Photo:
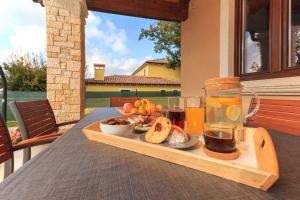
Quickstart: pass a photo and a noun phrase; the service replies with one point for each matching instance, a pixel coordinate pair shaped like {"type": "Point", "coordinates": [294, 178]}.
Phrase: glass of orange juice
{"type": "Point", "coordinates": [194, 114]}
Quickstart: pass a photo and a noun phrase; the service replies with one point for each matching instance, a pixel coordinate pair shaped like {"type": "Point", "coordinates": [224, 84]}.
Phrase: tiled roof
{"type": "Point", "coordinates": [127, 79]}
{"type": "Point", "coordinates": [161, 60]}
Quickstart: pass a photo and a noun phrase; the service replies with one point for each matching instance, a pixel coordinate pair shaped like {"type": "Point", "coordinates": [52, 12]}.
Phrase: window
{"type": "Point", "coordinates": [268, 39]}
{"type": "Point", "coordinates": [163, 93]}
{"type": "Point", "coordinates": [176, 93]}
{"type": "Point", "coordinates": [125, 93]}
{"type": "Point", "coordinates": [294, 49]}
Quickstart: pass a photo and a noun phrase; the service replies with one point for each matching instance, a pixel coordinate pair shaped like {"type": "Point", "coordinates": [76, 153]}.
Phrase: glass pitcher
{"type": "Point", "coordinates": [223, 113]}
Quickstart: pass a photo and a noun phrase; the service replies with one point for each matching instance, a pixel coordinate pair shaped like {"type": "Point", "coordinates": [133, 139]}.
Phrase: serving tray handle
{"type": "Point", "coordinates": [266, 156]}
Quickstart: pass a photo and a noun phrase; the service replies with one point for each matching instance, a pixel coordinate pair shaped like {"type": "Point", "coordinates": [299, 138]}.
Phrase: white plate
{"type": "Point", "coordinates": [193, 140]}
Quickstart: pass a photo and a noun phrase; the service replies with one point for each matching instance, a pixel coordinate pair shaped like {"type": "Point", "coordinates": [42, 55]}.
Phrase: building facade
{"type": "Point", "coordinates": [157, 68]}
{"type": "Point", "coordinates": [223, 29]}
{"type": "Point", "coordinates": [164, 82]}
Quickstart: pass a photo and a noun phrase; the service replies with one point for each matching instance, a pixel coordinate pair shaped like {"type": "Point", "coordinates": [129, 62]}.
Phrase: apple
{"type": "Point", "coordinates": [151, 108]}
{"type": "Point", "coordinates": [127, 107]}
{"type": "Point", "coordinates": [142, 106]}
{"type": "Point", "coordinates": [159, 108]}
{"type": "Point", "coordinates": [142, 111]}
{"type": "Point", "coordinates": [134, 110]}
{"type": "Point", "coordinates": [137, 103]}
{"type": "Point", "coordinates": [145, 101]}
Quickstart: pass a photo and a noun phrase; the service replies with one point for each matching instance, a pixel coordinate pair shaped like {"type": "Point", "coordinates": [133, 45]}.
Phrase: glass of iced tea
{"type": "Point", "coordinates": [176, 111]}
{"type": "Point", "coordinates": [194, 115]}
{"type": "Point", "coordinates": [219, 137]}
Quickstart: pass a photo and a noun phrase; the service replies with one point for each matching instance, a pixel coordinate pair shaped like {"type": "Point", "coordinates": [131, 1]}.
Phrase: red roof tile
{"type": "Point", "coordinates": [139, 80]}
{"type": "Point", "coordinates": [161, 61]}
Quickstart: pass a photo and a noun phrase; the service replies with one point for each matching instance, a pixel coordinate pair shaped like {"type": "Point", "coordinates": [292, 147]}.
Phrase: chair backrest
{"type": "Point", "coordinates": [5, 143]}
{"type": "Point", "coordinates": [280, 115]}
{"type": "Point", "coordinates": [119, 101]}
{"type": "Point", "coordinates": [35, 118]}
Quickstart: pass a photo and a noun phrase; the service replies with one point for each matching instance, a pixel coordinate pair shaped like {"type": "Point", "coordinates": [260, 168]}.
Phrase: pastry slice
{"type": "Point", "coordinates": [177, 135]}
{"type": "Point", "coordinates": [159, 131]}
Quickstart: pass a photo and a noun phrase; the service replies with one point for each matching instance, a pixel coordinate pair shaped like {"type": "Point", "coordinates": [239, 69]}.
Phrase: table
{"type": "Point", "coordinates": [76, 168]}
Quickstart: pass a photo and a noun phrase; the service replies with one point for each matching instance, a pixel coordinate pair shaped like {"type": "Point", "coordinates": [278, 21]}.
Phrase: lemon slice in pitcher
{"type": "Point", "coordinates": [233, 112]}
{"type": "Point", "coordinates": [213, 102]}
{"type": "Point", "coordinates": [230, 101]}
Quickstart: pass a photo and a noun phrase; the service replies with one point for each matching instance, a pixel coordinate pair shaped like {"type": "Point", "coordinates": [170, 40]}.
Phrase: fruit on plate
{"type": "Point", "coordinates": [151, 108]}
{"type": "Point", "coordinates": [127, 107]}
{"type": "Point", "coordinates": [177, 135]}
{"type": "Point", "coordinates": [142, 111]}
{"type": "Point", "coordinates": [137, 103]}
{"type": "Point", "coordinates": [145, 101]}
{"type": "Point", "coordinates": [159, 108]}
{"type": "Point", "coordinates": [134, 110]}
{"type": "Point", "coordinates": [159, 131]}
{"type": "Point", "coordinates": [143, 107]}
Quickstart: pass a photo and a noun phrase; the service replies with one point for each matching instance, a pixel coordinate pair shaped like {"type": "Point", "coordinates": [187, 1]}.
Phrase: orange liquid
{"type": "Point", "coordinates": [195, 120]}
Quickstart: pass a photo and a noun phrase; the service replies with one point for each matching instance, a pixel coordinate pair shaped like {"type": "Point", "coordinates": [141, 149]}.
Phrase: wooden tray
{"type": "Point", "coordinates": [257, 165]}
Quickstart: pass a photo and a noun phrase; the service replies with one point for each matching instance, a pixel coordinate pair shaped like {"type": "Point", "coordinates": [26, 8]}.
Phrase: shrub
{"type": "Point", "coordinates": [26, 72]}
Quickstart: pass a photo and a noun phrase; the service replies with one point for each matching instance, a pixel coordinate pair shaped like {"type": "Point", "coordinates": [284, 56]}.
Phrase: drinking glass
{"type": "Point", "coordinates": [176, 112]}
{"type": "Point", "coordinates": [194, 114]}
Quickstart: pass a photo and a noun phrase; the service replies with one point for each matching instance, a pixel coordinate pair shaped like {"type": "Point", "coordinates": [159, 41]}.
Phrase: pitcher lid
{"type": "Point", "coordinates": [222, 83]}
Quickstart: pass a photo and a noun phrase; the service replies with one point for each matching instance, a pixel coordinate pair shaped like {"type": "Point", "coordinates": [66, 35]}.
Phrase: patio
{"type": "Point", "coordinates": [91, 170]}
{"type": "Point", "coordinates": [213, 44]}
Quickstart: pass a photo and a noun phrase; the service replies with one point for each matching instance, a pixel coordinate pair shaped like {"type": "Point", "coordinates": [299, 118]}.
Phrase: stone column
{"type": "Point", "coordinates": [66, 57]}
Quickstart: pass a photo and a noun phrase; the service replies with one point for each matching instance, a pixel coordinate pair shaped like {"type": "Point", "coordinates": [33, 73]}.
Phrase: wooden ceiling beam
{"type": "Point", "coordinates": [171, 10]}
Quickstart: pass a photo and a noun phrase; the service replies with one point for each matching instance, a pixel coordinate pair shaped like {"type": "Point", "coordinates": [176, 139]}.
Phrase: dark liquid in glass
{"type": "Point", "coordinates": [219, 141]}
{"type": "Point", "coordinates": [177, 117]}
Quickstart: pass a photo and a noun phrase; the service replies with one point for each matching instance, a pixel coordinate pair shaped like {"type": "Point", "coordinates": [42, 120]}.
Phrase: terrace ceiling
{"type": "Point", "coordinates": [171, 10]}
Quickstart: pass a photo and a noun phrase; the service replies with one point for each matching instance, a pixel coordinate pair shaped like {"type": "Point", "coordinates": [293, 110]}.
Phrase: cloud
{"type": "Point", "coordinates": [29, 38]}
{"type": "Point", "coordinates": [106, 44]}
{"type": "Point", "coordinates": [22, 27]}
{"type": "Point", "coordinates": [113, 65]}
{"type": "Point", "coordinates": [105, 34]}
{"type": "Point", "coordinates": [4, 54]}
{"type": "Point", "coordinates": [16, 12]}
{"type": "Point", "coordinates": [124, 66]}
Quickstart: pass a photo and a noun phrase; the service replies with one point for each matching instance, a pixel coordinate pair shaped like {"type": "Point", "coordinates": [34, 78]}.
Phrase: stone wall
{"type": "Point", "coordinates": [66, 57]}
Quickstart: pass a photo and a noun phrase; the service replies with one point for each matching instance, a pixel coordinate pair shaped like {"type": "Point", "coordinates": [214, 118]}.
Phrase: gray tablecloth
{"type": "Point", "coordinates": [76, 168]}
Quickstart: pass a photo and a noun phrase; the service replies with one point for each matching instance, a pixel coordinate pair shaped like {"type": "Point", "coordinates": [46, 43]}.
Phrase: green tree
{"type": "Point", "coordinates": [166, 38]}
{"type": "Point", "coordinates": [26, 72]}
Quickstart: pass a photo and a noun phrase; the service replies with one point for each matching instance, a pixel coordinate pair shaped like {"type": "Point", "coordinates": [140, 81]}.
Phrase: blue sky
{"type": "Point", "coordinates": [110, 39]}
